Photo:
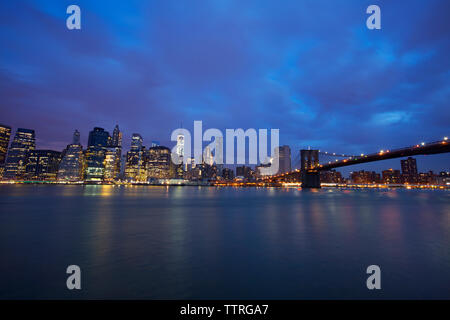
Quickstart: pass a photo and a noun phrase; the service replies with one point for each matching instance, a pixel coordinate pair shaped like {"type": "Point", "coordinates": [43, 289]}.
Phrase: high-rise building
{"type": "Point", "coordinates": [391, 176]}
{"type": "Point", "coordinates": [71, 167]}
{"type": "Point", "coordinates": [5, 134]}
{"type": "Point", "coordinates": [112, 164]}
{"type": "Point", "coordinates": [24, 141]}
{"type": "Point", "coordinates": [283, 154]}
{"type": "Point", "coordinates": [98, 138]}
{"type": "Point", "coordinates": [116, 139]}
{"type": "Point", "coordinates": [136, 142]}
{"type": "Point", "coordinates": [409, 170]}
{"type": "Point", "coordinates": [227, 174]}
{"type": "Point", "coordinates": [98, 141]}
{"type": "Point", "coordinates": [245, 172]}
{"type": "Point", "coordinates": [180, 145]}
{"type": "Point", "coordinates": [155, 143]}
{"type": "Point", "coordinates": [42, 165]}
{"type": "Point", "coordinates": [76, 138]}
{"type": "Point", "coordinates": [331, 176]}
{"type": "Point", "coordinates": [365, 177]}
{"type": "Point", "coordinates": [135, 166]}
{"type": "Point", "coordinates": [159, 164]}
{"type": "Point", "coordinates": [218, 155]}
{"type": "Point", "coordinates": [208, 156]}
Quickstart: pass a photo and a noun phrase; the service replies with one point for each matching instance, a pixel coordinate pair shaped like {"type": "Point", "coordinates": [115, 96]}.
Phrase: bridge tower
{"type": "Point", "coordinates": [309, 163]}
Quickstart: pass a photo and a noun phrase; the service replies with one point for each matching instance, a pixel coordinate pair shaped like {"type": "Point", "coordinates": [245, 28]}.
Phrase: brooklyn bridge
{"type": "Point", "coordinates": [310, 167]}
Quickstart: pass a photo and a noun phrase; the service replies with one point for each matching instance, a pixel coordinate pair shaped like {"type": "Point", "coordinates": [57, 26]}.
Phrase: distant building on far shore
{"type": "Point", "coordinates": [16, 161]}
{"type": "Point", "coordinates": [5, 135]}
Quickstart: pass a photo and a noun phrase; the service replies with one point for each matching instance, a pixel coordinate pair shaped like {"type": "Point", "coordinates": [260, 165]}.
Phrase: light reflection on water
{"type": "Point", "coordinates": [204, 242]}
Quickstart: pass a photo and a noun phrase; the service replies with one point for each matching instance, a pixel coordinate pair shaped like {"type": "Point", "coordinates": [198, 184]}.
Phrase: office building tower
{"type": "Point", "coordinates": [159, 164]}
{"type": "Point", "coordinates": [208, 156]}
{"type": "Point", "coordinates": [24, 141]}
{"type": "Point", "coordinates": [283, 154]}
{"type": "Point", "coordinates": [136, 142]}
{"type": "Point", "coordinates": [227, 174]}
{"type": "Point", "coordinates": [245, 172]}
{"type": "Point", "coordinates": [409, 170]}
{"type": "Point", "coordinates": [76, 138]}
{"type": "Point", "coordinates": [391, 176]}
{"type": "Point", "coordinates": [112, 164]}
{"type": "Point", "coordinates": [5, 135]}
{"type": "Point", "coordinates": [135, 165]}
{"type": "Point", "coordinates": [180, 146]}
{"type": "Point", "coordinates": [98, 138]}
{"type": "Point", "coordinates": [155, 143]}
{"type": "Point", "coordinates": [71, 167]}
{"type": "Point", "coordinates": [116, 139]}
{"type": "Point", "coordinates": [42, 165]}
{"type": "Point", "coordinates": [98, 141]}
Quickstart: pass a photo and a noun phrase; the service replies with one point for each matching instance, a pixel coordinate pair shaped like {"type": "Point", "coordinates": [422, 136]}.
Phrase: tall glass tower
{"type": "Point", "coordinates": [24, 142]}
{"type": "Point", "coordinates": [5, 134]}
{"type": "Point", "coordinates": [71, 166]}
{"type": "Point", "coordinates": [98, 141]}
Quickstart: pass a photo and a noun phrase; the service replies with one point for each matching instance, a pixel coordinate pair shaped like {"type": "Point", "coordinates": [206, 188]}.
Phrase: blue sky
{"type": "Point", "coordinates": [309, 68]}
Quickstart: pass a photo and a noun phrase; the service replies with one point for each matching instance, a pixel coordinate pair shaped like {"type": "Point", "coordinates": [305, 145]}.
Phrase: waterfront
{"type": "Point", "coordinates": [223, 243]}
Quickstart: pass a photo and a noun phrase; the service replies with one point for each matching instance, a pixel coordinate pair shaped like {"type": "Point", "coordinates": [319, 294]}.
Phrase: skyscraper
{"type": "Point", "coordinates": [135, 166]}
{"type": "Point", "coordinates": [159, 165]}
{"type": "Point", "coordinates": [71, 165]}
{"type": "Point", "coordinates": [180, 145]}
{"type": "Point", "coordinates": [283, 154]}
{"type": "Point", "coordinates": [409, 170]}
{"type": "Point", "coordinates": [24, 141]}
{"type": "Point", "coordinates": [95, 154]}
{"type": "Point", "coordinates": [116, 140]}
{"type": "Point", "coordinates": [76, 138]}
{"type": "Point", "coordinates": [136, 142]}
{"type": "Point", "coordinates": [112, 163]}
{"type": "Point", "coordinates": [98, 138]}
{"type": "Point", "coordinates": [5, 134]}
{"type": "Point", "coordinates": [208, 156]}
{"type": "Point", "coordinates": [42, 165]}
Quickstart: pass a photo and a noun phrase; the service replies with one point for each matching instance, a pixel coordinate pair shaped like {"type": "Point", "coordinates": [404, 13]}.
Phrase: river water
{"type": "Point", "coordinates": [223, 243]}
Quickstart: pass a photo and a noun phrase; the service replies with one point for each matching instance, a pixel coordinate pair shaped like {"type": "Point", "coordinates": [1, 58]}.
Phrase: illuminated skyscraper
{"type": "Point", "coordinates": [112, 164]}
{"type": "Point", "coordinates": [113, 156]}
{"type": "Point", "coordinates": [71, 166]}
{"type": "Point", "coordinates": [159, 164]}
{"type": "Point", "coordinates": [208, 156]}
{"type": "Point", "coordinates": [42, 165]}
{"type": "Point", "coordinates": [24, 142]}
{"type": "Point", "coordinates": [136, 142]}
{"type": "Point", "coordinates": [98, 138]}
{"type": "Point", "coordinates": [409, 170]}
{"type": "Point", "coordinates": [135, 166]}
{"type": "Point", "coordinates": [5, 134]}
{"type": "Point", "coordinates": [180, 145]}
{"type": "Point", "coordinates": [95, 154]}
{"type": "Point", "coordinates": [116, 139]}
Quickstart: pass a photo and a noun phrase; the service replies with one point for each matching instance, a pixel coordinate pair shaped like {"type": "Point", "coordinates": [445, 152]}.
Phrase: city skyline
{"type": "Point", "coordinates": [102, 160]}
{"type": "Point", "coordinates": [318, 77]}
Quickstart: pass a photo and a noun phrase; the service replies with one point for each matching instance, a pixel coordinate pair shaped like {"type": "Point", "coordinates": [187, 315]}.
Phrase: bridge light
{"type": "Point", "coordinates": [445, 138]}
{"type": "Point", "coordinates": [423, 143]}
{"type": "Point", "coordinates": [362, 154]}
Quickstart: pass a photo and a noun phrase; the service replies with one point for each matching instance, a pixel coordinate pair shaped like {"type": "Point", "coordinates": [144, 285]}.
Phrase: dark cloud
{"type": "Point", "coordinates": [310, 68]}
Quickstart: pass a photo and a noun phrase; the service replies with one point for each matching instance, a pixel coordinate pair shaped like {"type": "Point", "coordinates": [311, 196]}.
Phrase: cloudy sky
{"type": "Point", "coordinates": [309, 68]}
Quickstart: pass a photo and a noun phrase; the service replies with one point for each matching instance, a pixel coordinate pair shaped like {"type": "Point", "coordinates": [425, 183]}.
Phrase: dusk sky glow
{"type": "Point", "coordinates": [310, 68]}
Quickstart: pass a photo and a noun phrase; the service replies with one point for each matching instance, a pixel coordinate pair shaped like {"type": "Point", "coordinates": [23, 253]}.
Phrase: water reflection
{"type": "Point", "coordinates": [188, 242]}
